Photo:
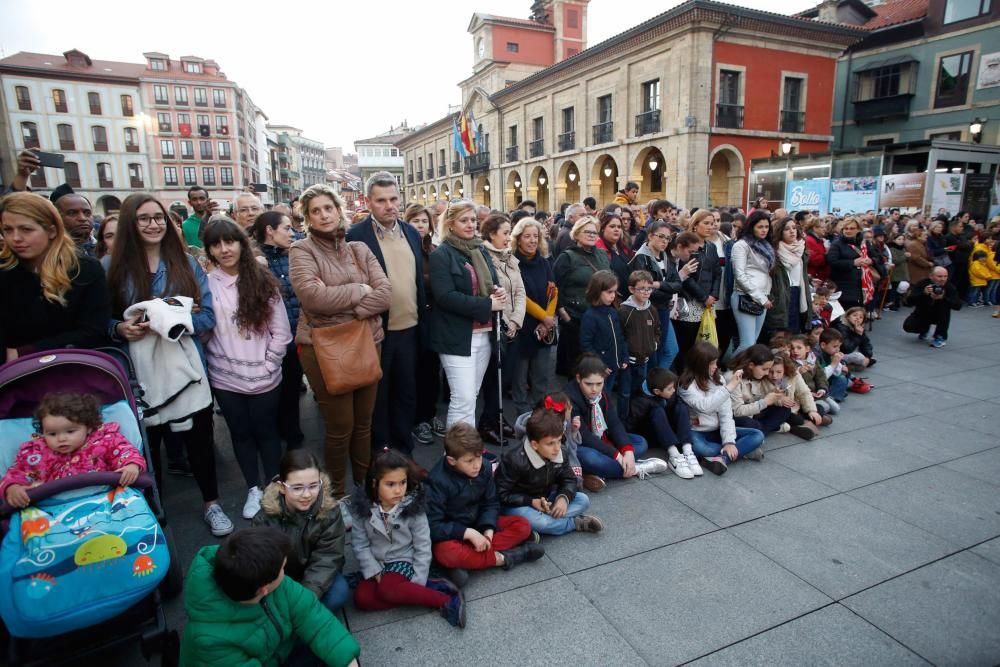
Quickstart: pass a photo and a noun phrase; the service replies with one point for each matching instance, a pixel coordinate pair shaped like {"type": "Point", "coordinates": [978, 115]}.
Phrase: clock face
{"type": "Point", "coordinates": [481, 47]}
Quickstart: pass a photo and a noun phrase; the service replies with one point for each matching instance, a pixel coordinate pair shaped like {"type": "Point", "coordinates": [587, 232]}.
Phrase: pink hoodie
{"type": "Point", "coordinates": [248, 363]}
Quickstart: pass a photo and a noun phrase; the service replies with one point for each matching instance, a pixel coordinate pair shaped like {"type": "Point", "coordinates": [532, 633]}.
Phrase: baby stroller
{"type": "Point", "coordinates": [85, 567]}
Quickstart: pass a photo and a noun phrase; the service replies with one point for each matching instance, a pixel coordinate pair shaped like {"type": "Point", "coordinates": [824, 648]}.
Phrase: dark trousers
{"type": "Point", "coordinates": [921, 319]}
{"type": "Point", "coordinates": [254, 432]}
{"type": "Point", "coordinates": [667, 427]}
{"type": "Point", "coordinates": [396, 401]}
{"type": "Point", "coordinates": [569, 347]}
{"type": "Point", "coordinates": [725, 328]}
{"type": "Point", "coordinates": [289, 424]}
{"type": "Point", "coordinates": [490, 389]}
{"type": "Point", "coordinates": [687, 336]}
{"type": "Point", "coordinates": [767, 420]}
{"type": "Point", "coordinates": [428, 385]}
{"type": "Point", "coordinates": [199, 443]}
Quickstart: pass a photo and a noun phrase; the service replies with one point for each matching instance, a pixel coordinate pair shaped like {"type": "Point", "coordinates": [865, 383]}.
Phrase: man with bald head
{"type": "Point", "coordinates": [246, 208]}
{"type": "Point", "coordinates": [563, 241]}
{"type": "Point", "coordinates": [933, 300]}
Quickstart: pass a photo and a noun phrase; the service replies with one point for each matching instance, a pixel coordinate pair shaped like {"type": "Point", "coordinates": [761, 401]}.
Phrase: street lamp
{"type": "Point", "coordinates": [461, 191]}
{"type": "Point", "coordinates": [976, 129]}
{"type": "Point", "coordinates": [541, 180]}
{"type": "Point", "coordinates": [572, 176]}
{"type": "Point", "coordinates": [517, 183]}
{"type": "Point", "coordinates": [653, 164]}
{"type": "Point", "coordinates": [486, 187]}
{"type": "Point", "coordinates": [786, 146]}
{"type": "Point", "coordinates": [607, 171]}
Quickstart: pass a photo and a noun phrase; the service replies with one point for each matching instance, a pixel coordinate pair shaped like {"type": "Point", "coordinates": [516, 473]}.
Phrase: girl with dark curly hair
{"type": "Point", "coordinates": [245, 352]}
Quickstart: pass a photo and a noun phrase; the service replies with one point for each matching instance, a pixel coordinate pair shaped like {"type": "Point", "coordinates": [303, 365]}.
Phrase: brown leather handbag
{"type": "Point", "coordinates": [347, 356]}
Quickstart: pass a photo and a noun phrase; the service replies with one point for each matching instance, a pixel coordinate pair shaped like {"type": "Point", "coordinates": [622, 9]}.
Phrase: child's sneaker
{"type": "Point", "coordinates": [938, 343]}
{"type": "Point", "coordinates": [825, 420]}
{"type": "Point", "coordinates": [438, 427]}
{"type": "Point", "coordinates": [716, 464]}
{"type": "Point", "coordinates": [454, 611]}
{"type": "Point", "coordinates": [755, 455]}
{"type": "Point", "coordinates": [646, 467]}
{"type": "Point", "coordinates": [252, 505]}
{"type": "Point", "coordinates": [217, 521]}
{"type": "Point", "coordinates": [679, 465]}
{"type": "Point", "coordinates": [784, 428]}
{"type": "Point", "coordinates": [859, 386]}
{"type": "Point", "coordinates": [593, 483]}
{"type": "Point", "coordinates": [523, 553]}
{"type": "Point", "coordinates": [803, 432]}
{"type": "Point", "coordinates": [442, 585]}
{"type": "Point", "coordinates": [692, 462]}
{"type": "Point", "coordinates": [535, 537]}
{"type": "Point", "coordinates": [588, 524]}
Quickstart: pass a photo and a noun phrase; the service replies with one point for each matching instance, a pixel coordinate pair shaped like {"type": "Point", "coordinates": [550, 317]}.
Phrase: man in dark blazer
{"type": "Point", "coordinates": [396, 245]}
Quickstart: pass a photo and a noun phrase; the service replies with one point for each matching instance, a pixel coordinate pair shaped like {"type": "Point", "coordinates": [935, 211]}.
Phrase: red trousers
{"type": "Point", "coordinates": [395, 590]}
{"type": "Point", "coordinates": [511, 531]}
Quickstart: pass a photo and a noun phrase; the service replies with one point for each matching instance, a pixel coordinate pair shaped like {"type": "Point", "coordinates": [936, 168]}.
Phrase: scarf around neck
{"type": "Point", "coordinates": [763, 248]}
{"type": "Point", "coordinates": [790, 254]}
{"type": "Point", "coordinates": [597, 423]}
{"type": "Point", "coordinates": [471, 249]}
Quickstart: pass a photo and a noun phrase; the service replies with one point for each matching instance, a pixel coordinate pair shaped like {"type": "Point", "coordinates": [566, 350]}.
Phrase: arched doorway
{"type": "Point", "coordinates": [649, 169]}
{"type": "Point", "coordinates": [109, 204]}
{"type": "Point", "coordinates": [514, 191]}
{"type": "Point", "coordinates": [540, 188]}
{"type": "Point", "coordinates": [604, 178]}
{"type": "Point", "coordinates": [421, 197]}
{"type": "Point", "coordinates": [725, 181]}
{"type": "Point", "coordinates": [458, 189]}
{"type": "Point", "coordinates": [482, 191]}
{"type": "Point", "coordinates": [569, 183]}
{"type": "Point", "coordinates": [432, 195]}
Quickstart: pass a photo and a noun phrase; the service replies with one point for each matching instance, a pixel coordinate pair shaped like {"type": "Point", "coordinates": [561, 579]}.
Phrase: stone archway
{"type": "Point", "coordinates": [109, 204]}
{"type": "Point", "coordinates": [539, 187]}
{"type": "Point", "coordinates": [432, 195]}
{"type": "Point", "coordinates": [513, 191]}
{"type": "Point", "coordinates": [458, 189]}
{"type": "Point", "coordinates": [726, 176]}
{"type": "Point", "coordinates": [568, 183]}
{"type": "Point", "coordinates": [481, 192]}
{"type": "Point", "coordinates": [604, 175]}
{"type": "Point", "coordinates": [649, 170]}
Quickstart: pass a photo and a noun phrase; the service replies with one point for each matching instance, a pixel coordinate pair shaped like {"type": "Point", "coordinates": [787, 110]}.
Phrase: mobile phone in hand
{"type": "Point", "coordinates": [54, 160]}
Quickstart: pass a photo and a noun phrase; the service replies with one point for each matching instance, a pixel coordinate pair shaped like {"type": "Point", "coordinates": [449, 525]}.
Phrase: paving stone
{"type": "Point", "coordinates": [947, 612]}
{"type": "Point", "coordinates": [943, 502]}
{"type": "Point", "coordinates": [544, 624]}
{"type": "Point", "coordinates": [973, 385]}
{"type": "Point", "coordinates": [975, 416]}
{"type": "Point", "coordinates": [989, 550]}
{"type": "Point", "coordinates": [683, 601]}
{"type": "Point", "coordinates": [747, 491]}
{"type": "Point", "coordinates": [832, 636]}
{"type": "Point", "coordinates": [927, 437]}
{"type": "Point", "coordinates": [840, 545]}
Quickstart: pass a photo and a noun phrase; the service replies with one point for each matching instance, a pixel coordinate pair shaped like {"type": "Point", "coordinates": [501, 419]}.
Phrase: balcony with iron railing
{"type": "Point", "coordinates": [881, 108]}
{"type": "Point", "coordinates": [536, 148]}
{"type": "Point", "coordinates": [647, 122]}
{"type": "Point", "coordinates": [793, 121]}
{"type": "Point", "coordinates": [105, 183]}
{"type": "Point", "coordinates": [409, 178]}
{"type": "Point", "coordinates": [456, 166]}
{"type": "Point", "coordinates": [136, 183]}
{"type": "Point", "coordinates": [511, 154]}
{"type": "Point", "coordinates": [478, 162]}
{"type": "Point", "coordinates": [604, 132]}
{"type": "Point", "coordinates": [567, 141]}
{"type": "Point", "coordinates": [729, 115]}
{"type": "Point", "coordinates": [442, 170]}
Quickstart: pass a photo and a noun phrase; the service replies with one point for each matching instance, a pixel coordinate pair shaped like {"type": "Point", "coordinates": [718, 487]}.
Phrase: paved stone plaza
{"type": "Point", "coordinates": [876, 544]}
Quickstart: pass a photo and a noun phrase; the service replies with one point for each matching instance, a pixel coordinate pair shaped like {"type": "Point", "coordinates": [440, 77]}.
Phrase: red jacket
{"type": "Point", "coordinates": [817, 266]}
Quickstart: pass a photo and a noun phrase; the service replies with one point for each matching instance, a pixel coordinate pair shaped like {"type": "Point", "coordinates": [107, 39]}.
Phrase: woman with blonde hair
{"type": "Point", "coordinates": [466, 295]}
{"type": "Point", "coordinates": [51, 295]}
{"type": "Point", "coordinates": [573, 269]}
{"type": "Point", "coordinates": [337, 281]}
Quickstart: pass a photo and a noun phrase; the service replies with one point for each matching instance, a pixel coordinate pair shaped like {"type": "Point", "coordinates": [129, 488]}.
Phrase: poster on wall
{"type": "Point", "coordinates": [989, 71]}
{"type": "Point", "coordinates": [902, 191]}
{"type": "Point", "coordinates": [976, 199]}
{"type": "Point", "coordinates": [946, 193]}
{"type": "Point", "coordinates": [853, 195]}
{"type": "Point", "coordinates": [811, 195]}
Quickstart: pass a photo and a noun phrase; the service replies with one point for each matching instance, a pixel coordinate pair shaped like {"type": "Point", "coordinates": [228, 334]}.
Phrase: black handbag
{"type": "Point", "coordinates": [749, 306]}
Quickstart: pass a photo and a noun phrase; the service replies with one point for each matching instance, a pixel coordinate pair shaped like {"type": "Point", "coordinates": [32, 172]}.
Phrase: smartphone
{"type": "Point", "coordinates": [54, 160]}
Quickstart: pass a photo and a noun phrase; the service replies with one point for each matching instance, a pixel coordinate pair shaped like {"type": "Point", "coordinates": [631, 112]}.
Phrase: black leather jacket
{"type": "Point", "coordinates": [520, 479]}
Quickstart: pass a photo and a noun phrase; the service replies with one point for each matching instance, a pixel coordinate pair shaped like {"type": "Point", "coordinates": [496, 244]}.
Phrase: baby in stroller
{"type": "Point", "coordinates": [73, 441]}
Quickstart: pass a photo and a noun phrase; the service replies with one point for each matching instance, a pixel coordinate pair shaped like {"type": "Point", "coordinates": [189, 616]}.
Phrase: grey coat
{"type": "Point", "coordinates": [409, 539]}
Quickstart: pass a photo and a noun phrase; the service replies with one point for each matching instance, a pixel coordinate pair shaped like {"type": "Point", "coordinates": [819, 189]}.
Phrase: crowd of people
{"type": "Point", "coordinates": [614, 331]}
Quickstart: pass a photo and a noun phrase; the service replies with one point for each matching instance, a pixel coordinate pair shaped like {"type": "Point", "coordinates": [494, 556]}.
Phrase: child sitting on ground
{"type": "Point", "coordinates": [812, 375]}
{"type": "Point", "coordinates": [659, 416]}
{"type": "Point", "coordinates": [71, 440]}
{"type": "Point", "coordinates": [779, 343]}
{"type": "Point", "coordinates": [463, 509]}
{"type": "Point", "coordinates": [300, 503]}
{"type": "Point", "coordinates": [535, 481]}
{"type": "Point", "coordinates": [641, 324]}
{"type": "Point", "coordinates": [392, 542]}
{"type": "Point", "coordinates": [601, 329]}
{"type": "Point", "coordinates": [714, 435]}
{"type": "Point", "coordinates": [560, 402]}
{"type": "Point", "coordinates": [757, 403]}
{"type": "Point", "coordinates": [821, 303]}
{"type": "Point", "coordinates": [606, 451]}
{"type": "Point", "coordinates": [785, 376]}
{"type": "Point", "coordinates": [242, 610]}
{"type": "Point", "coordinates": [831, 360]}
{"type": "Point", "coordinates": [856, 345]}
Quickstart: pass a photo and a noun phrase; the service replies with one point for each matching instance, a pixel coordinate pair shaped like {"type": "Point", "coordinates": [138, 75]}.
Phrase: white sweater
{"type": "Point", "coordinates": [167, 363]}
{"type": "Point", "coordinates": [711, 410]}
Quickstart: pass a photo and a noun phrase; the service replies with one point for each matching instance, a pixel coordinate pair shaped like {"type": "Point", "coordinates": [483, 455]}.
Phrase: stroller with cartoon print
{"type": "Point", "coordinates": [84, 568]}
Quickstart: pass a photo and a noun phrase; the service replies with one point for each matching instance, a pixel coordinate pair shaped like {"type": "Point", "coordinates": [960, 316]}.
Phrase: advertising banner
{"type": "Point", "coordinates": [946, 193]}
{"type": "Point", "coordinates": [811, 195]}
{"type": "Point", "coordinates": [853, 195]}
{"type": "Point", "coordinates": [902, 191]}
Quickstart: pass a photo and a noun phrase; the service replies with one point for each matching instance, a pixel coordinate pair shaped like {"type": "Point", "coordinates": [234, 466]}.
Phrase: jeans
{"type": "Point", "coordinates": [396, 400]}
{"type": "Point", "coordinates": [767, 420]}
{"type": "Point", "coordinates": [533, 378]}
{"type": "Point", "coordinates": [748, 326]}
{"type": "Point", "coordinates": [838, 387]}
{"type": "Point", "coordinates": [977, 293]}
{"type": "Point", "coordinates": [596, 463]}
{"type": "Point", "coordinates": [548, 525]}
{"type": "Point", "coordinates": [630, 383]}
{"type": "Point", "coordinates": [709, 443]}
{"type": "Point", "coordinates": [465, 376]}
{"type": "Point", "coordinates": [664, 357]}
{"type": "Point", "coordinates": [253, 431]}
{"type": "Point", "coordinates": [991, 292]}
{"type": "Point", "coordinates": [337, 595]}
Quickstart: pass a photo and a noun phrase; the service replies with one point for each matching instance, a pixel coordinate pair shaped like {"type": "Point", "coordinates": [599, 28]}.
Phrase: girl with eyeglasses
{"type": "Point", "coordinates": [300, 503]}
{"type": "Point", "coordinates": [148, 260]}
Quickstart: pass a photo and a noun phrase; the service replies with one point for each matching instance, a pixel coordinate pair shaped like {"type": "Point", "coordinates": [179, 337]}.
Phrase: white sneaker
{"type": "Point", "coordinates": [252, 505]}
{"type": "Point", "coordinates": [680, 467]}
{"type": "Point", "coordinates": [693, 464]}
{"type": "Point", "coordinates": [217, 521]}
{"type": "Point", "coordinates": [784, 428]}
{"type": "Point", "coordinates": [646, 467]}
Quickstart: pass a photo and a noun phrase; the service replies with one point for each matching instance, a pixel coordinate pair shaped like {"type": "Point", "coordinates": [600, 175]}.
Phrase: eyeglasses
{"type": "Point", "coordinates": [643, 290]}
{"type": "Point", "coordinates": [662, 237]}
{"type": "Point", "coordinates": [146, 221]}
{"type": "Point", "coordinates": [303, 489]}
{"type": "Point", "coordinates": [589, 232]}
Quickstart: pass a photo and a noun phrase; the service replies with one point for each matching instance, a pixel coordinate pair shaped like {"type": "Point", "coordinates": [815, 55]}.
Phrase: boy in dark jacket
{"type": "Point", "coordinates": [462, 511]}
{"type": "Point", "coordinates": [641, 324]}
{"type": "Point", "coordinates": [658, 415]}
{"type": "Point", "coordinates": [535, 480]}
{"type": "Point", "coordinates": [242, 609]}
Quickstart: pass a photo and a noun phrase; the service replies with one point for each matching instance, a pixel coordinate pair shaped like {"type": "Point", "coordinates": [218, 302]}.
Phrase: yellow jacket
{"type": "Point", "coordinates": [622, 200]}
{"type": "Point", "coordinates": [992, 268]}
{"type": "Point", "coordinates": [979, 273]}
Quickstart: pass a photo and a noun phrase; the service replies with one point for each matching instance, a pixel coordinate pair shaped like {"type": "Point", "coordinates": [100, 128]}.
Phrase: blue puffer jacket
{"type": "Point", "coordinates": [277, 261]}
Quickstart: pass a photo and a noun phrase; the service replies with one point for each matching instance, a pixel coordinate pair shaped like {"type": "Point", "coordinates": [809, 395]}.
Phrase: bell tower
{"type": "Point", "coordinates": [569, 18]}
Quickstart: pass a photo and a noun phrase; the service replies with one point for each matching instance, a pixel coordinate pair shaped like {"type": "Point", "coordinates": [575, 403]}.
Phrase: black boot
{"type": "Point", "coordinates": [524, 553]}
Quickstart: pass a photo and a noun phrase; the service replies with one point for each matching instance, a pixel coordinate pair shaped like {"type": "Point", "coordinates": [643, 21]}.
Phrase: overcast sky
{"type": "Point", "coordinates": [339, 70]}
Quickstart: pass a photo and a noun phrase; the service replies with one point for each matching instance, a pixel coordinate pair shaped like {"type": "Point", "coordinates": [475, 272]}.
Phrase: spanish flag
{"type": "Point", "coordinates": [466, 134]}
